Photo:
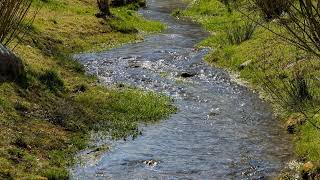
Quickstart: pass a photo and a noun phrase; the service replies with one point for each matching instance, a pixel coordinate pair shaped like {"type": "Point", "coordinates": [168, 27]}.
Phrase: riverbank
{"type": "Point", "coordinates": [259, 59]}
{"type": "Point", "coordinates": [46, 117]}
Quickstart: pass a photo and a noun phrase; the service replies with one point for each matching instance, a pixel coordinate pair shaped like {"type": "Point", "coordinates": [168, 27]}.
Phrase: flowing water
{"type": "Point", "coordinates": [221, 131]}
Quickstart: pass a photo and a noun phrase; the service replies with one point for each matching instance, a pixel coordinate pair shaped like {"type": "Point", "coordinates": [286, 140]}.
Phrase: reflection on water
{"type": "Point", "coordinates": [221, 131]}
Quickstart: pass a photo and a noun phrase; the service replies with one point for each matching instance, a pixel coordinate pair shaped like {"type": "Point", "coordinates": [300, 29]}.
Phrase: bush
{"type": "Point", "coordinates": [12, 15]}
{"type": "Point", "coordinates": [239, 32]}
{"type": "Point", "coordinates": [299, 21]}
{"type": "Point", "coordinates": [273, 8]}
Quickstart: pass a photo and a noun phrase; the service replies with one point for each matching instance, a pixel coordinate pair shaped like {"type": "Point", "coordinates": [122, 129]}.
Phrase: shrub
{"type": "Point", "coordinates": [298, 20]}
{"type": "Point", "coordinates": [273, 8]}
{"type": "Point", "coordinates": [12, 16]}
{"type": "Point", "coordinates": [238, 32]}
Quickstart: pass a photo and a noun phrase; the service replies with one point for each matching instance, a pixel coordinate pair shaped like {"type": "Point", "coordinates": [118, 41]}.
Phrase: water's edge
{"type": "Point", "coordinates": [222, 129]}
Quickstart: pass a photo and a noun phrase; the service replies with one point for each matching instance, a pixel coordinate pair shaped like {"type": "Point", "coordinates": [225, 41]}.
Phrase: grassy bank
{"type": "Point", "coordinates": [260, 58]}
{"type": "Point", "coordinates": [45, 118]}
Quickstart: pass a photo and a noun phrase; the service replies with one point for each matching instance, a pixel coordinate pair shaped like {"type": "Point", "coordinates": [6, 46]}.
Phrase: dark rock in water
{"type": "Point", "coordinates": [151, 162]}
{"type": "Point", "coordinates": [142, 3]}
{"type": "Point", "coordinates": [11, 66]}
{"type": "Point", "coordinates": [134, 65]}
{"type": "Point", "coordinates": [187, 74]}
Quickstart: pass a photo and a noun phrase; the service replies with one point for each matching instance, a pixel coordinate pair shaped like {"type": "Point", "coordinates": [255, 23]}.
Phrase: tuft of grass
{"type": "Point", "coordinates": [236, 33]}
{"type": "Point", "coordinates": [52, 80]}
{"type": "Point", "coordinates": [125, 109]}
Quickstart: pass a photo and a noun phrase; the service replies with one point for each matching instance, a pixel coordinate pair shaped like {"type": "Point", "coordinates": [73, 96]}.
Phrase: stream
{"type": "Point", "coordinates": [222, 130]}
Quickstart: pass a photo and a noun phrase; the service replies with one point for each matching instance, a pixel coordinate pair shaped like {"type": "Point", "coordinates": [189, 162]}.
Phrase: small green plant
{"type": "Point", "coordinates": [300, 89]}
{"type": "Point", "coordinates": [293, 92]}
{"type": "Point", "coordinates": [238, 32]}
{"type": "Point", "coordinates": [52, 80]}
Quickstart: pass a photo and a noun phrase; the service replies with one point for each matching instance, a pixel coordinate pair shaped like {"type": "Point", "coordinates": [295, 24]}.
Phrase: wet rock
{"type": "Point", "coordinates": [11, 66]}
{"type": "Point", "coordinates": [142, 3]}
{"type": "Point", "coordinates": [245, 64]}
{"type": "Point", "coordinates": [294, 121]}
{"type": "Point", "coordinates": [134, 65]}
{"type": "Point", "coordinates": [187, 74]}
{"type": "Point", "coordinates": [121, 85]}
{"type": "Point", "coordinates": [151, 162]}
{"type": "Point", "coordinates": [213, 114]}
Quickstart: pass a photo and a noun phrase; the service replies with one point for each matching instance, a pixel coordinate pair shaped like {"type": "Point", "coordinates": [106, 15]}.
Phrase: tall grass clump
{"type": "Point", "coordinates": [12, 16]}
{"type": "Point", "coordinates": [294, 94]}
{"type": "Point", "coordinates": [237, 32]}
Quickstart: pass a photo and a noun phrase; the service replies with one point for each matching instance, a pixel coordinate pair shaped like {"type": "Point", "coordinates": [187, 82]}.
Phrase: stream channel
{"type": "Point", "coordinates": [222, 130]}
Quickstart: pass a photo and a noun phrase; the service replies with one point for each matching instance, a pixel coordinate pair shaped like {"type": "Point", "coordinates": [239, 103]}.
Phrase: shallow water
{"type": "Point", "coordinates": [221, 131]}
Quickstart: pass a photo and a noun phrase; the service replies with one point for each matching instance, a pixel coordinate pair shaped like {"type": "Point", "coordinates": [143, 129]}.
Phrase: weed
{"type": "Point", "coordinates": [238, 32]}
{"type": "Point", "coordinates": [52, 81]}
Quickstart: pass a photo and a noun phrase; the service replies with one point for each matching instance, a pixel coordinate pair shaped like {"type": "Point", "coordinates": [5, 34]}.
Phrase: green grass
{"type": "Point", "coordinates": [269, 57]}
{"type": "Point", "coordinates": [46, 117]}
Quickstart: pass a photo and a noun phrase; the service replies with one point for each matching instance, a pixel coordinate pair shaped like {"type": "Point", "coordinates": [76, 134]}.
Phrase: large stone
{"type": "Point", "coordinates": [11, 66]}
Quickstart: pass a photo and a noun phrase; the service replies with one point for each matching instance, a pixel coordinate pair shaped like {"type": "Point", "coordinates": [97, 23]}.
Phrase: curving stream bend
{"type": "Point", "coordinates": [221, 131]}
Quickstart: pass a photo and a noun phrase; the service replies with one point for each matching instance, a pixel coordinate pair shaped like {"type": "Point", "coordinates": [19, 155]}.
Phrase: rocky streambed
{"type": "Point", "coordinates": [222, 130]}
